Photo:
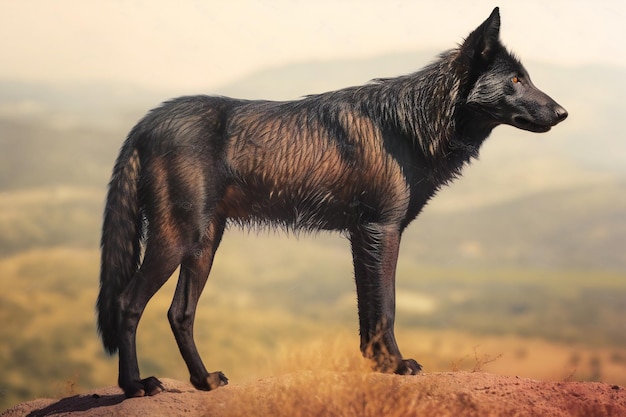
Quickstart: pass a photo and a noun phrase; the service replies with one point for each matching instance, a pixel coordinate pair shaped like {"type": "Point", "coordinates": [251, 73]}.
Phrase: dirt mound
{"type": "Point", "coordinates": [351, 394]}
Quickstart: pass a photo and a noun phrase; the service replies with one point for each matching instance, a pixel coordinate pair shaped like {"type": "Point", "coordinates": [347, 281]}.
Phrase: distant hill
{"type": "Point", "coordinates": [37, 153]}
{"type": "Point", "coordinates": [578, 228]}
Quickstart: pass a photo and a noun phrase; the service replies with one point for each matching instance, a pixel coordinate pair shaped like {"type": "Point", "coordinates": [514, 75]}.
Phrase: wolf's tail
{"type": "Point", "coordinates": [122, 233]}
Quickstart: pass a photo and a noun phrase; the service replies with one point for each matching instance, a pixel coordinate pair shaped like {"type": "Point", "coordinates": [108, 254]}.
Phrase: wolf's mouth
{"type": "Point", "coordinates": [523, 123]}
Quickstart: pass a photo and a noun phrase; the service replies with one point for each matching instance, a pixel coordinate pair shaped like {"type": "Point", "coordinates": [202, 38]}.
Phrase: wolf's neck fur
{"type": "Point", "coordinates": [427, 108]}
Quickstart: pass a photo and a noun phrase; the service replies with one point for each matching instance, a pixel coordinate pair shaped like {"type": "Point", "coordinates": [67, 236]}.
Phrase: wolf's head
{"type": "Point", "coordinates": [501, 89]}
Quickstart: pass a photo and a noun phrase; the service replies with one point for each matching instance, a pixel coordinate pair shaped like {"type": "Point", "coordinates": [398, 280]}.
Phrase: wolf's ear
{"type": "Point", "coordinates": [483, 42]}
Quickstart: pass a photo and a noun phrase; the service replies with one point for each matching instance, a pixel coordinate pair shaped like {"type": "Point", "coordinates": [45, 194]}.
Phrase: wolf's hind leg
{"type": "Point", "coordinates": [154, 271]}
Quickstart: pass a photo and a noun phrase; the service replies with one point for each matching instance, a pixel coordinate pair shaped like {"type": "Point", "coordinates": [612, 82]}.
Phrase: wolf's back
{"type": "Point", "coordinates": [121, 240]}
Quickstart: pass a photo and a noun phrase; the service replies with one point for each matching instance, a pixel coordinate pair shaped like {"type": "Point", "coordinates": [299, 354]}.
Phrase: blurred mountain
{"type": "Point", "coordinates": [556, 199]}
{"type": "Point", "coordinates": [64, 105]}
{"type": "Point", "coordinates": [37, 153]}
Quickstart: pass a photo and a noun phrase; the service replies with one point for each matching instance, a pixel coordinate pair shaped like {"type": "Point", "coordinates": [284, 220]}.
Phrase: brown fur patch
{"type": "Point", "coordinates": [296, 159]}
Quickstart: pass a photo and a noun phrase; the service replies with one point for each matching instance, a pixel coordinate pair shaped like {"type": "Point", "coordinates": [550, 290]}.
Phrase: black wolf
{"type": "Point", "coordinates": [362, 160]}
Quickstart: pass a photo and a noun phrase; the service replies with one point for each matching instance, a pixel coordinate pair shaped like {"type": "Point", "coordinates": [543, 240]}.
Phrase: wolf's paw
{"type": "Point", "coordinates": [147, 386]}
{"type": "Point", "coordinates": [212, 381]}
{"type": "Point", "coordinates": [408, 367]}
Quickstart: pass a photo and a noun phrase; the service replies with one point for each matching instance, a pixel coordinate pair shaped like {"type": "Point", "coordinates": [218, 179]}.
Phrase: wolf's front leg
{"type": "Point", "coordinates": [375, 254]}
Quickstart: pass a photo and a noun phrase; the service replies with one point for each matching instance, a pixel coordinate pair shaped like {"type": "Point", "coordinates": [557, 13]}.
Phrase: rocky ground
{"type": "Point", "coordinates": [347, 394]}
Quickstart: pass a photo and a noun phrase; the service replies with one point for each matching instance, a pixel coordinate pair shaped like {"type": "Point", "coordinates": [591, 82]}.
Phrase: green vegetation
{"type": "Point", "coordinates": [50, 217]}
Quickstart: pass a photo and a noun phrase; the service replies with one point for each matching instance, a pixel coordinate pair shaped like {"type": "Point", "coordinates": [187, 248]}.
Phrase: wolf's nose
{"type": "Point", "coordinates": [561, 114]}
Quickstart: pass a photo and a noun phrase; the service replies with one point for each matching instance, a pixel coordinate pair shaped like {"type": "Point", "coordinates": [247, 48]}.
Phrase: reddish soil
{"type": "Point", "coordinates": [442, 394]}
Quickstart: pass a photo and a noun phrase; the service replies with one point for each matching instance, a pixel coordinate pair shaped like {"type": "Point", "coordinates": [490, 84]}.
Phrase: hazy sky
{"type": "Point", "coordinates": [203, 44]}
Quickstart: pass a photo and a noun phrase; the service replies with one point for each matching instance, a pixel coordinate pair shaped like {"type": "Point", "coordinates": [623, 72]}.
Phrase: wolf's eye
{"type": "Point", "coordinates": [515, 80]}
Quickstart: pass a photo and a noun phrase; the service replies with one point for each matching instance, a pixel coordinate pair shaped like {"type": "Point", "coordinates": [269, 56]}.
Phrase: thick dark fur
{"type": "Point", "coordinates": [361, 160]}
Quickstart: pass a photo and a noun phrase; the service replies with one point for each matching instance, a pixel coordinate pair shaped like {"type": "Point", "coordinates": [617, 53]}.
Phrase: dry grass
{"type": "Point", "coordinates": [355, 394]}
{"type": "Point", "coordinates": [332, 379]}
